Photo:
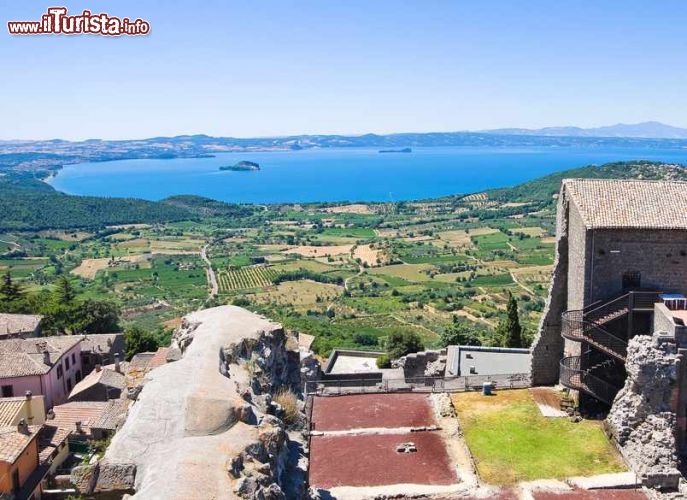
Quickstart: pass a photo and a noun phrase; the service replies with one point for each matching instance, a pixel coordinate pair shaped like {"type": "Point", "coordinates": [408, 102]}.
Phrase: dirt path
{"type": "Point", "coordinates": [408, 323]}
{"type": "Point", "coordinates": [15, 245]}
{"type": "Point", "coordinates": [361, 270]}
{"type": "Point", "coordinates": [515, 279]}
{"type": "Point", "coordinates": [214, 288]}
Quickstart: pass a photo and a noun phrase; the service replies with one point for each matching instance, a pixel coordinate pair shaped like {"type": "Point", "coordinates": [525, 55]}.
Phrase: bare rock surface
{"type": "Point", "coordinates": [195, 430]}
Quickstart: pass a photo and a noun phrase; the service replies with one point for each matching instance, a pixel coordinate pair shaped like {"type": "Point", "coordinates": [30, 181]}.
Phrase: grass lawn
{"type": "Point", "coordinates": [511, 441]}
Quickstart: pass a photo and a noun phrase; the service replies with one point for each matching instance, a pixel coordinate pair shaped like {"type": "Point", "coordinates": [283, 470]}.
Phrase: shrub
{"type": "Point", "coordinates": [401, 343]}
{"type": "Point", "coordinates": [289, 402]}
{"type": "Point", "coordinates": [384, 361]}
{"type": "Point", "coordinates": [241, 302]}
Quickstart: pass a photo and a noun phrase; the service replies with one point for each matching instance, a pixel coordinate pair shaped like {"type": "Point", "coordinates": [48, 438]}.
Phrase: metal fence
{"type": "Point", "coordinates": [419, 384]}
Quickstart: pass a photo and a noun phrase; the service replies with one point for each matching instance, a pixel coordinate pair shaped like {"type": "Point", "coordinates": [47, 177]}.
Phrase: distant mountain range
{"type": "Point", "coordinates": [644, 130]}
{"type": "Point", "coordinates": [37, 159]}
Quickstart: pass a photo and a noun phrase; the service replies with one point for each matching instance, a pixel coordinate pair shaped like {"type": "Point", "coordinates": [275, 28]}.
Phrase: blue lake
{"type": "Point", "coordinates": [340, 174]}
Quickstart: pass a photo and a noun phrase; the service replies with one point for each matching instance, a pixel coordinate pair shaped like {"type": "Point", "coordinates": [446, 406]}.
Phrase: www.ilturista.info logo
{"type": "Point", "coordinates": [56, 22]}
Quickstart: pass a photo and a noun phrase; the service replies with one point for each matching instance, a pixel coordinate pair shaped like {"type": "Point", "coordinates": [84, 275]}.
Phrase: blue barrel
{"type": "Point", "coordinates": [486, 388]}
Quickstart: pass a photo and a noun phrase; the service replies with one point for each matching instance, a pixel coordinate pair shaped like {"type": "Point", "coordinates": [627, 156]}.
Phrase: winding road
{"type": "Point", "coordinates": [214, 288]}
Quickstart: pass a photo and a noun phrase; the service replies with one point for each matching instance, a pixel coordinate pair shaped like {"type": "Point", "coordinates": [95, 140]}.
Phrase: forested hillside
{"type": "Point", "coordinates": [543, 189]}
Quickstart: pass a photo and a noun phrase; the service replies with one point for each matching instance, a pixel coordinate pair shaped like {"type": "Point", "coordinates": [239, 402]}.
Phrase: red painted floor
{"type": "Point", "coordinates": [372, 460]}
{"type": "Point", "coordinates": [336, 413]}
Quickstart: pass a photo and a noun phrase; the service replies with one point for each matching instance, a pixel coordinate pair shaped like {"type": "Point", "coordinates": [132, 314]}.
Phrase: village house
{"type": "Point", "coordinates": [47, 366]}
{"type": "Point", "coordinates": [19, 326]}
{"type": "Point", "coordinates": [28, 407]}
{"type": "Point", "coordinates": [100, 349]}
{"type": "Point", "coordinates": [88, 420]}
{"type": "Point", "coordinates": [19, 460]}
{"type": "Point", "coordinates": [53, 448]}
{"type": "Point", "coordinates": [102, 384]}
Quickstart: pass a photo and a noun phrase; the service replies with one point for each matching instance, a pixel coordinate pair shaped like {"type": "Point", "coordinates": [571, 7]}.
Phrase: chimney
{"type": "Point", "coordinates": [79, 429]}
{"type": "Point", "coordinates": [23, 427]}
{"type": "Point", "coordinates": [46, 357]}
{"type": "Point", "coordinates": [98, 367]}
{"type": "Point", "coordinates": [118, 368]}
{"type": "Point", "coordinates": [29, 413]}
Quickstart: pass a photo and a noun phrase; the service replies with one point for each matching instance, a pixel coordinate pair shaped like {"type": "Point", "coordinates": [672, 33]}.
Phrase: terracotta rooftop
{"type": "Point", "coordinates": [104, 343]}
{"type": "Point", "coordinates": [13, 324]}
{"type": "Point", "coordinates": [13, 443]}
{"type": "Point", "coordinates": [113, 415]}
{"type": "Point", "coordinates": [9, 409]}
{"type": "Point", "coordinates": [107, 376]}
{"type": "Point", "coordinates": [619, 204]}
{"type": "Point", "coordinates": [23, 357]}
{"type": "Point", "coordinates": [49, 439]}
{"type": "Point", "coordinates": [142, 363]}
{"type": "Point", "coordinates": [91, 414]}
{"type": "Point", "coordinates": [159, 358]}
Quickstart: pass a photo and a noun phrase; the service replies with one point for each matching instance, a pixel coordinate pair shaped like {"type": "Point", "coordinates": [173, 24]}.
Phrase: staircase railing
{"type": "Point", "coordinates": [574, 377]}
{"type": "Point", "coordinates": [621, 303]}
{"type": "Point", "coordinates": [575, 327]}
{"type": "Point", "coordinates": [644, 299]}
{"type": "Point", "coordinates": [587, 325]}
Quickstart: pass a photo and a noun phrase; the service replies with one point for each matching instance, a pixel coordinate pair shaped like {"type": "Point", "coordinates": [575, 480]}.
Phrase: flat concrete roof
{"type": "Point", "coordinates": [473, 360]}
{"type": "Point", "coordinates": [346, 363]}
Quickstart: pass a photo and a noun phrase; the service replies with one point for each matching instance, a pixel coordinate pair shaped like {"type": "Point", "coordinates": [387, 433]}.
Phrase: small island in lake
{"type": "Point", "coordinates": [404, 150]}
{"type": "Point", "coordinates": [242, 166]}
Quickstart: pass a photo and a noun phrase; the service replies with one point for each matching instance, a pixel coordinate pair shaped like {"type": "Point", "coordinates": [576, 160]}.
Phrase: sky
{"type": "Point", "coordinates": [282, 67]}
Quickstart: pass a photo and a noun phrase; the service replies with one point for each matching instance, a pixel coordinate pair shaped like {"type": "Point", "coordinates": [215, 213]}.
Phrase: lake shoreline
{"type": "Point", "coordinates": [336, 175]}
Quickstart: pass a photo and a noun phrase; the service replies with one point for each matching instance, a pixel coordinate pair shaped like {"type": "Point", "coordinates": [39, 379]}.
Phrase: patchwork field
{"type": "Point", "coordinates": [357, 272]}
{"type": "Point", "coordinates": [89, 268]}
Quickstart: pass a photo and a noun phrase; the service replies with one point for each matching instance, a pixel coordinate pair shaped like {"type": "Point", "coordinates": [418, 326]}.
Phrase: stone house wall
{"type": "Point", "coordinates": [547, 347]}
{"type": "Point", "coordinates": [660, 256]}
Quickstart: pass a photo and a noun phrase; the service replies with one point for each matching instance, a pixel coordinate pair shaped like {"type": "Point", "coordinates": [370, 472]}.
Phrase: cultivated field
{"type": "Point", "coordinates": [246, 278]}
{"type": "Point", "coordinates": [299, 293]}
{"type": "Point", "coordinates": [319, 251]}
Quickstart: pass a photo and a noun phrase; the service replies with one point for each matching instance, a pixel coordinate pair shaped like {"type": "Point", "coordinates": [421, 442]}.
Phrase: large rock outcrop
{"type": "Point", "coordinates": [642, 419]}
{"type": "Point", "coordinates": [201, 426]}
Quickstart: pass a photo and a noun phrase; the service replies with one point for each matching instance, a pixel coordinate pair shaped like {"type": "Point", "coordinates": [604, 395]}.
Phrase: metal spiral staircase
{"type": "Point", "coordinates": [590, 327]}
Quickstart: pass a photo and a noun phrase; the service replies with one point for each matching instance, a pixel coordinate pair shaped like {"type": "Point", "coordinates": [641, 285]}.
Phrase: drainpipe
{"type": "Point", "coordinates": [591, 271]}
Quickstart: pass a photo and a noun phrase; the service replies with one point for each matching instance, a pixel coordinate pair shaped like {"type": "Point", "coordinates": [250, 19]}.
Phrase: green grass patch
{"type": "Point", "coordinates": [349, 232]}
{"type": "Point", "coordinates": [493, 241]}
{"type": "Point", "coordinates": [493, 280]}
{"type": "Point", "coordinates": [511, 441]}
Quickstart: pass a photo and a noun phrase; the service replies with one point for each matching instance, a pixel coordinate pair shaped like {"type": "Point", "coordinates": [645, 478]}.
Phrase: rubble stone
{"type": "Point", "coordinates": [641, 418]}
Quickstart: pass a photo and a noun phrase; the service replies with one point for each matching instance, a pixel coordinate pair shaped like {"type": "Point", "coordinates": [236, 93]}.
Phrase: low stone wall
{"type": "Point", "coordinates": [423, 364]}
